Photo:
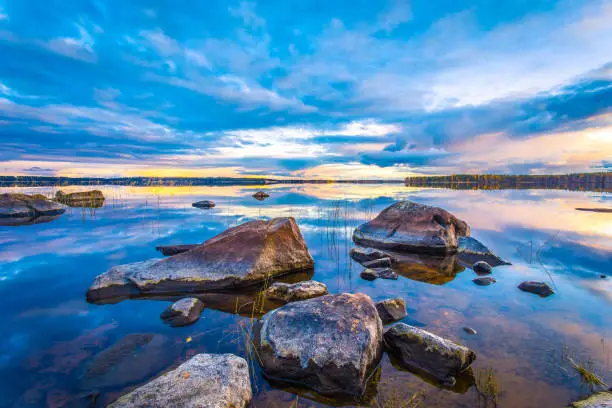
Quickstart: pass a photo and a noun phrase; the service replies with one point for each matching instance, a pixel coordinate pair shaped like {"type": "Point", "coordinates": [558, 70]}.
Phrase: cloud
{"type": "Point", "coordinates": [37, 169]}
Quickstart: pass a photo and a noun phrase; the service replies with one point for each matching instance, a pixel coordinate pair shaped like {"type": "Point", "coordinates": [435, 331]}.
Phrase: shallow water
{"type": "Point", "coordinates": [55, 348]}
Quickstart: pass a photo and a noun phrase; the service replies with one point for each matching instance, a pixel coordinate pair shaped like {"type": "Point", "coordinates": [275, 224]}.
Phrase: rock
{"type": "Point", "coordinates": [539, 288]}
{"type": "Point", "coordinates": [171, 250]}
{"type": "Point", "coordinates": [89, 199]}
{"type": "Point", "coordinates": [242, 256]}
{"type": "Point", "coordinates": [469, 330]}
{"type": "Point", "coordinates": [361, 254]}
{"type": "Point", "coordinates": [183, 312]}
{"type": "Point", "coordinates": [471, 251]}
{"type": "Point", "coordinates": [203, 204]}
{"type": "Point", "coordinates": [17, 209]}
{"type": "Point", "coordinates": [482, 268]}
{"type": "Point", "coordinates": [383, 273]}
{"type": "Point", "coordinates": [598, 400]}
{"type": "Point", "coordinates": [391, 310]}
{"type": "Point", "coordinates": [421, 350]}
{"type": "Point", "coordinates": [286, 292]}
{"type": "Point", "coordinates": [412, 227]}
{"type": "Point", "coordinates": [205, 380]}
{"type": "Point", "coordinates": [484, 281]}
{"type": "Point", "coordinates": [330, 344]}
{"type": "Point", "coordinates": [260, 195]}
{"type": "Point", "coordinates": [378, 263]}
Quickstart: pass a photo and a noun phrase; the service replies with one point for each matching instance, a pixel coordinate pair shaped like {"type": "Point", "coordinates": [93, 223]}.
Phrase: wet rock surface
{"type": "Point", "coordinates": [469, 330]}
{"type": "Point", "coordinates": [597, 400]}
{"type": "Point", "coordinates": [203, 204]}
{"type": "Point", "coordinates": [260, 195]}
{"type": "Point", "coordinates": [89, 199]}
{"type": "Point", "coordinates": [382, 273]}
{"type": "Point", "coordinates": [183, 312]}
{"type": "Point", "coordinates": [171, 250]}
{"type": "Point", "coordinates": [391, 310]}
{"type": "Point", "coordinates": [432, 269]}
{"type": "Point", "coordinates": [421, 350]}
{"type": "Point", "coordinates": [539, 288]}
{"type": "Point", "coordinates": [330, 344]}
{"type": "Point", "coordinates": [23, 209]}
{"type": "Point", "coordinates": [286, 292]}
{"type": "Point", "coordinates": [482, 268]}
{"type": "Point", "coordinates": [471, 251]}
{"type": "Point", "coordinates": [205, 380]}
{"type": "Point", "coordinates": [484, 281]}
{"type": "Point", "coordinates": [412, 227]}
{"type": "Point", "coordinates": [365, 254]}
{"type": "Point", "coordinates": [260, 250]}
{"type": "Point", "coordinates": [378, 263]}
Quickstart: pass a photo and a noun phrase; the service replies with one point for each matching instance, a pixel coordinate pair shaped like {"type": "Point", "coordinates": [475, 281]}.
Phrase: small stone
{"type": "Point", "coordinates": [469, 330]}
{"type": "Point", "coordinates": [539, 288]}
{"type": "Point", "coordinates": [260, 195]}
{"type": "Point", "coordinates": [364, 254]}
{"type": "Point", "coordinates": [382, 273]}
{"type": "Point", "coordinates": [183, 312]}
{"type": "Point", "coordinates": [204, 204]}
{"type": "Point", "coordinates": [482, 268]}
{"type": "Point", "coordinates": [378, 263]}
{"type": "Point", "coordinates": [391, 310]}
{"type": "Point", "coordinates": [368, 274]}
{"type": "Point", "coordinates": [484, 281]}
{"type": "Point", "coordinates": [286, 292]}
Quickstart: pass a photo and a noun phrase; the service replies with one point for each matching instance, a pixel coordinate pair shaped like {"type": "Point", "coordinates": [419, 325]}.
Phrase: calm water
{"type": "Point", "coordinates": [51, 336]}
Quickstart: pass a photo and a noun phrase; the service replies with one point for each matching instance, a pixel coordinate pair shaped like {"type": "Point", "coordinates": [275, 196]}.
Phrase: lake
{"type": "Point", "coordinates": [53, 343]}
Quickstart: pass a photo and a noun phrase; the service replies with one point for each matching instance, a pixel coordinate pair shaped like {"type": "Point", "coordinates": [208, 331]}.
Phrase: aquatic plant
{"type": "Point", "coordinates": [394, 399]}
{"type": "Point", "coordinates": [488, 387]}
{"type": "Point", "coordinates": [585, 368]}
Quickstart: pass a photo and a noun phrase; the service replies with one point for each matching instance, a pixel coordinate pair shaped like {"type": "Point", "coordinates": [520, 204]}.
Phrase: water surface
{"type": "Point", "coordinates": [56, 348]}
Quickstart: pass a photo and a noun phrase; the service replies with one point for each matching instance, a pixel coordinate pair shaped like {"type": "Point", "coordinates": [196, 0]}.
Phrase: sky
{"type": "Point", "coordinates": [304, 88]}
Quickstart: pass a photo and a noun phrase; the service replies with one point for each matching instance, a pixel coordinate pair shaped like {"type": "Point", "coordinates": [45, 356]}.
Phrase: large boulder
{"type": "Point", "coordinates": [421, 350]}
{"type": "Point", "coordinates": [242, 256]}
{"type": "Point", "coordinates": [90, 199]}
{"type": "Point", "coordinates": [330, 344]}
{"type": "Point", "coordinates": [411, 227]}
{"type": "Point", "coordinates": [287, 292]}
{"type": "Point", "coordinates": [183, 312]}
{"type": "Point", "coordinates": [205, 380]}
{"type": "Point", "coordinates": [23, 209]}
{"type": "Point", "coordinates": [598, 400]}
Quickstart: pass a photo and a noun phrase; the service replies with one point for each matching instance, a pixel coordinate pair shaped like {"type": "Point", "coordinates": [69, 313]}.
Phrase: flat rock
{"type": "Point", "coordinates": [242, 256]}
{"type": "Point", "coordinates": [378, 263]}
{"type": "Point", "coordinates": [27, 207]}
{"type": "Point", "coordinates": [391, 310]}
{"type": "Point", "coordinates": [171, 250]}
{"type": "Point", "coordinates": [471, 251]}
{"type": "Point", "coordinates": [598, 400]}
{"type": "Point", "coordinates": [287, 292]}
{"type": "Point", "coordinates": [364, 254]}
{"type": "Point", "coordinates": [484, 281]}
{"type": "Point", "coordinates": [203, 204]}
{"type": "Point", "coordinates": [183, 312]}
{"type": "Point", "coordinates": [382, 273]}
{"type": "Point", "coordinates": [482, 268]}
{"type": "Point", "coordinates": [407, 226]}
{"type": "Point", "coordinates": [203, 381]}
{"type": "Point", "coordinates": [330, 344]}
{"type": "Point", "coordinates": [539, 288]}
{"type": "Point", "coordinates": [421, 350]}
{"type": "Point", "coordinates": [89, 199]}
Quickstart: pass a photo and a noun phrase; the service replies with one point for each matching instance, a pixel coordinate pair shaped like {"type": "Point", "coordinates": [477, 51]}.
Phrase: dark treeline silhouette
{"type": "Point", "coordinates": [579, 181]}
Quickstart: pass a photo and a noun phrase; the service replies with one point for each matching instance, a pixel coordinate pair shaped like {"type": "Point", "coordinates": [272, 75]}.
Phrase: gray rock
{"type": "Point", "coordinates": [421, 350]}
{"type": "Point", "coordinates": [598, 400]}
{"type": "Point", "coordinates": [539, 288]}
{"type": "Point", "coordinates": [361, 254]}
{"type": "Point", "coordinates": [242, 256]}
{"type": "Point", "coordinates": [412, 227]}
{"type": "Point", "coordinates": [378, 263]}
{"type": "Point", "coordinates": [482, 268]}
{"type": "Point", "coordinates": [471, 251]}
{"type": "Point", "coordinates": [383, 273]}
{"type": "Point", "coordinates": [391, 310]}
{"type": "Point", "coordinates": [484, 281]}
{"type": "Point", "coordinates": [204, 381]}
{"type": "Point", "coordinates": [330, 344]}
{"type": "Point", "coordinates": [469, 330]}
{"type": "Point", "coordinates": [203, 204]}
{"type": "Point", "coordinates": [18, 209]}
{"type": "Point", "coordinates": [171, 250]}
{"type": "Point", "coordinates": [286, 292]}
{"type": "Point", "coordinates": [183, 312]}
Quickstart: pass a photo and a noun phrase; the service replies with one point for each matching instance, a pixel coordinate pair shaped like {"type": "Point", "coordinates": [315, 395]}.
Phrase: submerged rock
{"type": "Point", "coordinates": [330, 344]}
{"type": "Point", "coordinates": [242, 256]}
{"type": "Point", "coordinates": [23, 209]}
{"type": "Point", "coordinates": [471, 251]}
{"type": "Point", "coordinates": [409, 226]}
{"type": "Point", "coordinates": [89, 199]}
{"type": "Point", "coordinates": [597, 400]}
{"type": "Point", "coordinates": [286, 292]}
{"type": "Point", "coordinates": [469, 330]}
{"type": "Point", "coordinates": [183, 312]}
{"type": "Point", "coordinates": [361, 254]}
{"type": "Point", "coordinates": [428, 268]}
{"type": "Point", "coordinates": [203, 204]}
{"type": "Point", "coordinates": [421, 350]}
{"type": "Point", "coordinates": [539, 288]}
{"type": "Point", "coordinates": [382, 273]}
{"type": "Point", "coordinates": [260, 195]}
{"type": "Point", "coordinates": [484, 281]}
{"type": "Point", "coordinates": [391, 310]}
{"type": "Point", "coordinates": [171, 250]}
{"type": "Point", "coordinates": [482, 268]}
{"type": "Point", "coordinates": [205, 380]}
{"type": "Point", "coordinates": [378, 263]}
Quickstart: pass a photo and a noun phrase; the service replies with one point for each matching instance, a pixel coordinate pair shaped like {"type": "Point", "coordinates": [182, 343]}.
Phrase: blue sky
{"type": "Point", "coordinates": [304, 88]}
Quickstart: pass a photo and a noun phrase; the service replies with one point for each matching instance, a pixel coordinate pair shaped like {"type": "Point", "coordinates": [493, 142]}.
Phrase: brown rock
{"type": "Point", "coordinates": [90, 199]}
{"type": "Point", "coordinates": [286, 292]}
{"type": "Point", "coordinates": [21, 209]}
{"type": "Point", "coordinates": [391, 310]}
